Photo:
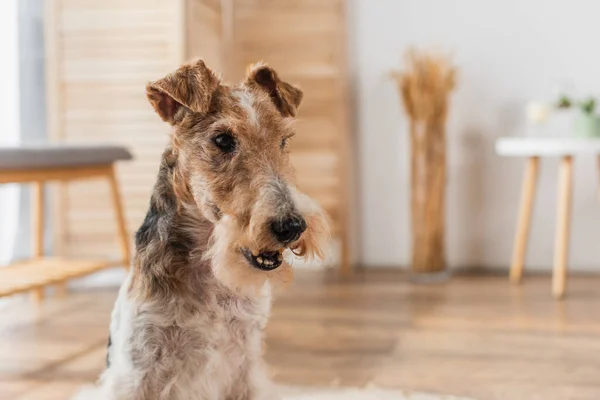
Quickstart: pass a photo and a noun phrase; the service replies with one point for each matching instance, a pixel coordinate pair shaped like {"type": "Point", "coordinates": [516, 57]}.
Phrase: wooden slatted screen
{"type": "Point", "coordinates": [204, 32]}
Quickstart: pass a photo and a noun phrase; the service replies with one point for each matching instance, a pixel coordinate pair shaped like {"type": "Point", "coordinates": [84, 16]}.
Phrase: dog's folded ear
{"type": "Point", "coordinates": [286, 97]}
{"type": "Point", "coordinates": [191, 86]}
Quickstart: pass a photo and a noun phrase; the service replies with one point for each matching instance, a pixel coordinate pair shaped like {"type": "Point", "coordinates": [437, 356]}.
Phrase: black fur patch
{"type": "Point", "coordinates": [216, 211]}
{"type": "Point", "coordinates": [144, 235]}
{"type": "Point", "coordinates": [108, 351]}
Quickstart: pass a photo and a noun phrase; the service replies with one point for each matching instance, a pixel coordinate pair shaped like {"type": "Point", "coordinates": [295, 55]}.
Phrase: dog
{"type": "Point", "coordinates": [215, 245]}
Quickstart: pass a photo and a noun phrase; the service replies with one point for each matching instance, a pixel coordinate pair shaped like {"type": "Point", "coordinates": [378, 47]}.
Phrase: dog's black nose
{"type": "Point", "coordinates": [288, 229]}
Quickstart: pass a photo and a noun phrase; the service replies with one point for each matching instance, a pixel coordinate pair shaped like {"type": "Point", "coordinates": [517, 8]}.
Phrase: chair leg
{"type": "Point", "coordinates": [120, 217]}
{"type": "Point", "coordinates": [563, 225]}
{"type": "Point", "coordinates": [37, 217]}
{"type": "Point", "coordinates": [524, 221]}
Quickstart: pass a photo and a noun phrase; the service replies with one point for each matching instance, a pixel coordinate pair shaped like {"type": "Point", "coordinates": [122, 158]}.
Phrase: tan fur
{"type": "Point", "coordinates": [191, 85]}
{"type": "Point", "coordinates": [188, 323]}
{"type": "Point", "coordinates": [286, 97]}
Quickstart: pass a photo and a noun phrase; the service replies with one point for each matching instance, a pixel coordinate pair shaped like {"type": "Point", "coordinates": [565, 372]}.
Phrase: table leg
{"type": "Point", "coordinates": [120, 217]}
{"type": "Point", "coordinates": [563, 226]}
{"type": "Point", "coordinates": [527, 198]}
{"type": "Point", "coordinates": [37, 216]}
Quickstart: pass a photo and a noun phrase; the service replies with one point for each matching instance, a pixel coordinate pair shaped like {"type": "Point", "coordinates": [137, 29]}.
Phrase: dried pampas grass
{"type": "Point", "coordinates": [424, 86]}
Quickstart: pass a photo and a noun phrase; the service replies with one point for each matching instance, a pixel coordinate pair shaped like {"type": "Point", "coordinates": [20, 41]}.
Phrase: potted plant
{"type": "Point", "coordinates": [586, 122]}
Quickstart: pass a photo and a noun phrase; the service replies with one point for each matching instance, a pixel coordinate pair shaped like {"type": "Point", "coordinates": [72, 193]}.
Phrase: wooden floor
{"type": "Point", "coordinates": [474, 336]}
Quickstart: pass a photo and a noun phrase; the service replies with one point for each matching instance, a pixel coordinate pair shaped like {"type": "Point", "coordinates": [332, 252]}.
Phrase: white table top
{"type": "Point", "coordinates": [546, 146]}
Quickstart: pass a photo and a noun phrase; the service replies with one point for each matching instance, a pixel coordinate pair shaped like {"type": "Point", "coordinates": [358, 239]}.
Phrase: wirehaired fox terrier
{"type": "Point", "coordinates": [224, 216]}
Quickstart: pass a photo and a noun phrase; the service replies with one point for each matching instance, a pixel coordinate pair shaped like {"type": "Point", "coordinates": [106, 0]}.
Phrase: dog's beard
{"type": "Point", "coordinates": [232, 269]}
{"type": "Point", "coordinates": [316, 238]}
{"type": "Point", "coordinates": [230, 238]}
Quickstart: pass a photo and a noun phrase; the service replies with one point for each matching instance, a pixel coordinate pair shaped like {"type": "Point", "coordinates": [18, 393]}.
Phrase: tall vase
{"type": "Point", "coordinates": [428, 194]}
{"type": "Point", "coordinates": [425, 85]}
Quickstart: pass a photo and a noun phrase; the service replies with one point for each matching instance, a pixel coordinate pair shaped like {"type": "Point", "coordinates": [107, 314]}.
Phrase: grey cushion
{"type": "Point", "coordinates": [51, 155]}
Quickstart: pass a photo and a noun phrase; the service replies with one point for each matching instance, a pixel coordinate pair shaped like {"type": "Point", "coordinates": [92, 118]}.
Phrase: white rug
{"type": "Point", "coordinates": [361, 394]}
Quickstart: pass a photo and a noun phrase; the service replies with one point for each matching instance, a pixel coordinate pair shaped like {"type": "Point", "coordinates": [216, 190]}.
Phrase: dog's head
{"type": "Point", "coordinates": [233, 164]}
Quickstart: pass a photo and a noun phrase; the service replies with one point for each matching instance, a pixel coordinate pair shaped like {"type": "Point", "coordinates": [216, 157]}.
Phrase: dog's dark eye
{"type": "Point", "coordinates": [225, 142]}
{"type": "Point", "coordinates": [284, 141]}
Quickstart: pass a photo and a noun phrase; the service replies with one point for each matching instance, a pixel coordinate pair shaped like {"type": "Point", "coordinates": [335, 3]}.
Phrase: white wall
{"type": "Point", "coordinates": [32, 95]}
{"type": "Point", "coordinates": [508, 52]}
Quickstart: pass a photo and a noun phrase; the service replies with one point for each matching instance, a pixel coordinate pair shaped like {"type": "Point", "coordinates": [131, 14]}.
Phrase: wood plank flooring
{"type": "Point", "coordinates": [475, 336]}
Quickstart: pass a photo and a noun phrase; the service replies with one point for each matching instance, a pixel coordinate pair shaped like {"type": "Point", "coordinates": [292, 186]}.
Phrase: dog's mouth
{"type": "Point", "coordinates": [265, 260]}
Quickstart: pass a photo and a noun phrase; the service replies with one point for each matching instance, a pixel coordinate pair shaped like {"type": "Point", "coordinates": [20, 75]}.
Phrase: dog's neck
{"type": "Point", "coordinates": [171, 240]}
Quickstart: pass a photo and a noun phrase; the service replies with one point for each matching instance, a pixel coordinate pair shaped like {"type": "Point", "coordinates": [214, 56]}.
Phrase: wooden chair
{"type": "Point", "coordinates": [44, 163]}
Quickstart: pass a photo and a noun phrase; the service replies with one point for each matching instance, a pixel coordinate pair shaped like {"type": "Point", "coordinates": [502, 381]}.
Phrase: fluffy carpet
{"type": "Point", "coordinates": [361, 394]}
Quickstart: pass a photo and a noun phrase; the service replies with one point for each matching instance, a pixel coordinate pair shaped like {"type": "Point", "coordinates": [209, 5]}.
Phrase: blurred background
{"type": "Point", "coordinates": [433, 133]}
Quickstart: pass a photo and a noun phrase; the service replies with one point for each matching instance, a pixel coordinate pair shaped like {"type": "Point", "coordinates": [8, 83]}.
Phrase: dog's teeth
{"type": "Point", "coordinates": [279, 257]}
{"type": "Point", "coordinates": [268, 262]}
{"type": "Point", "coordinates": [260, 260]}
